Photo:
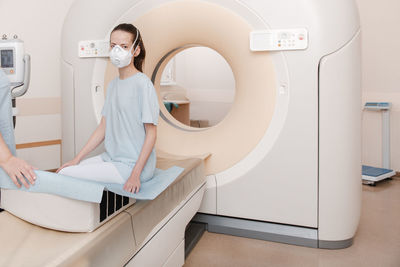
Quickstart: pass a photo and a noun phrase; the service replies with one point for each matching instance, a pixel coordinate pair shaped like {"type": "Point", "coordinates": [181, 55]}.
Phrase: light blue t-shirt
{"type": "Point", "coordinates": [6, 124]}
{"type": "Point", "coordinates": [128, 105]}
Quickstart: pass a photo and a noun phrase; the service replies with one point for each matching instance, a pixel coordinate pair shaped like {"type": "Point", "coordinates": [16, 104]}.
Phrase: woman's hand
{"type": "Point", "coordinates": [75, 161]}
{"type": "Point", "coordinates": [17, 168]}
{"type": "Point", "coordinates": [133, 183]}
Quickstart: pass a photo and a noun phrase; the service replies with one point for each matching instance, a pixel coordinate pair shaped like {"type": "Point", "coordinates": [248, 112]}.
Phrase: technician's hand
{"type": "Point", "coordinates": [75, 161]}
{"type": "Point", "coordinates": [18, 168]}
{"type": "Point", "coordinates": [133, 184]}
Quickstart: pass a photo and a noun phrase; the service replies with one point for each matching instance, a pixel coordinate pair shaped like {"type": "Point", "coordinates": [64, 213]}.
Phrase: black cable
{"type": "Point", "coordinates": [14, 104]}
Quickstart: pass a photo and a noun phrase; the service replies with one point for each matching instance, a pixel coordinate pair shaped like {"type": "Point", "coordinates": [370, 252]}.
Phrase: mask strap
{"type": "Point", "coordinates": [137, 36]}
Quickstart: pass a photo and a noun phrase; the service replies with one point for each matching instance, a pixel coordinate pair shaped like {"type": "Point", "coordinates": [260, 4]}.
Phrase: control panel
{"type": "Point", "coordinates": [94, 48]}
{"type": "Point", "coordinates": [279, 40]}
{"type": "Point", "coordinates": [12, 59]}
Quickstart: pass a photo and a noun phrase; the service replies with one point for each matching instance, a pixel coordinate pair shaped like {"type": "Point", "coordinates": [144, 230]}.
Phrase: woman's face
{"type": "Point", "coordinates": [121, 38]}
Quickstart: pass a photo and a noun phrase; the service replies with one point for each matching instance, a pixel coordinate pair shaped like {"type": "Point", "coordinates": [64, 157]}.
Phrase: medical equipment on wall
{"type": "Point", "coordinates": [371, 175]}
{"type": "Point", "coordinates": [17, 66]}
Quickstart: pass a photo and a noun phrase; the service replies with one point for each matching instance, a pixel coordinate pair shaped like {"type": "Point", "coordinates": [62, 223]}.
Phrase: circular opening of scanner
{"type": "Point", "coordinates": [170, 27]}
{"type": "Point", "coordinates": [190, 88]}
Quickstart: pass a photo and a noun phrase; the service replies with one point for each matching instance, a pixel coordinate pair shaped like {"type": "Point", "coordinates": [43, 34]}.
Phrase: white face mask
{"type": "Point", "coordinates": [121, 57]}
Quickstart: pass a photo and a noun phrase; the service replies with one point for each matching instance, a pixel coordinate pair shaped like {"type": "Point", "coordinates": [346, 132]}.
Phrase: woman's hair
{"type": "Point", "coordinates": [129, 28]}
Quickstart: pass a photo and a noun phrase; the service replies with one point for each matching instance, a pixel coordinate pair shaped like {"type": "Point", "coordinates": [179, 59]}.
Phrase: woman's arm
{"type": "Point", "coordinates": [15, 167]}
{"type": "Point", "coordinates": [133, 183]}
{"type": "Point", "coordinates": [95, 139]}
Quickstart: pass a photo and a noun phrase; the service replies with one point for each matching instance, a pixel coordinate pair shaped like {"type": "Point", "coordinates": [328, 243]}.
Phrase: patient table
{"type": "Point", "coordinates": [148, 233]}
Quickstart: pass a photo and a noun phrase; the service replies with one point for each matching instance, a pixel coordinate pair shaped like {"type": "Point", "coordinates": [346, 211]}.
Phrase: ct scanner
{"type": "Point", "coordinates": [285, 162]}
{"type": "Point", "coordinates": [289, 150]}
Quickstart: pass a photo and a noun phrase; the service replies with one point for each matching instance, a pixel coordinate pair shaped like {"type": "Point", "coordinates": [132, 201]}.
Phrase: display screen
{"type": "Point", "coordinates": [7, 59]}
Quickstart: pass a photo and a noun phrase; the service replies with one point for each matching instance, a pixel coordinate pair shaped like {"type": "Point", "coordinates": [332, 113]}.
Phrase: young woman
{"type": "Point", "coordinates": [129, 119]}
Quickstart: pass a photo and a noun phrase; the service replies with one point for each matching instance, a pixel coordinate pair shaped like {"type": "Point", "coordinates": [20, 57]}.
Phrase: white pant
{"type": "Point", "coordinates": [94, 169]}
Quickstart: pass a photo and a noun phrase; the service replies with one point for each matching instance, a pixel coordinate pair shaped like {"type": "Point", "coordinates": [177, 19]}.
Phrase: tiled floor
{"type": "Point", "coordinates": [377, 242]}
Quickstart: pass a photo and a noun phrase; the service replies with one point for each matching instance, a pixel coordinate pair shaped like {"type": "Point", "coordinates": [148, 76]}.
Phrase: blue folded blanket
{"type": "Point", "coordinates": [66, 186]}
{"type": "Point", "coordinates": [91, 191]}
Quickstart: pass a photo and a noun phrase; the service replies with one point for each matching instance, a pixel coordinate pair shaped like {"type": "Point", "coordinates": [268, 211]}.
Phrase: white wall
{"type": "Point", "coordinates": [380, 22]}
{"type": "Point", "coordinates": [209, 82]}
{"type": "Point", "coordinates": [38, 23]}
{"type": "Point", "coordinates": [206, 75]}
